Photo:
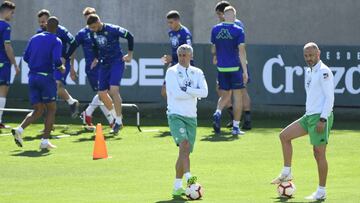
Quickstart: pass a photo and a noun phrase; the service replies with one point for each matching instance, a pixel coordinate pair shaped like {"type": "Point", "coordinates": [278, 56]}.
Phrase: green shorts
{"type": "Point", "coordinates": [309, 124]}
{"type": "Point", "coordinates": [183, 128]}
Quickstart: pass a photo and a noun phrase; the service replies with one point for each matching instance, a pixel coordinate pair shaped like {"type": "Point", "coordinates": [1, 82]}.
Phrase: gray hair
{"type": "Point", "coordinates": [184, 48]}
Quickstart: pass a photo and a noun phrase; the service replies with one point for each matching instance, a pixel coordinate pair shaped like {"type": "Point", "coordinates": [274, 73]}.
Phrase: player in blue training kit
{"type": "Point", "coordinates": [219, 9]}
{"type": "Point", "coordinates": [43, 55]}
{"type": "Point", "coordinates": [229, 46]}
{"type": "Point", "coordinates": [83, 38]}
{"type": "Point", "coordinates": [7, 57]}
{"type": "Point", "coordinates": [67, 39]}
{"type": "Point", "coordinates": [111, 63]}
{"type": "Point", "coordinates": [178, 35]}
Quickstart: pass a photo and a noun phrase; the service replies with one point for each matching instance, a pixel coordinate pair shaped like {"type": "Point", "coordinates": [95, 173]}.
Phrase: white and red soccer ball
{"type": "Point", "coordinates": [286, 189]}
{"type": "Point", "coordinates": [194, 191]}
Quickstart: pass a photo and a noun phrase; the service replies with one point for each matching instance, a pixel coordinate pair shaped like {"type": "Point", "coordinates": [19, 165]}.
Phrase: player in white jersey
{"type": "Point", "coordinates": [317, 121]}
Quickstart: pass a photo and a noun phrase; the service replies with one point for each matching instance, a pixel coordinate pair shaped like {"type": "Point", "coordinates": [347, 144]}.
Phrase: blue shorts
{"type": "Point", "coordinates": [5, 72]}
{"type": "Point", "coordinates": [42, 89]}
{"type": "Point", "coordinates": [93, 77]}
{"type": "Point", "coordinates": [230, 80]}
{"type": "Point", "coordinates": [62, 76]}
{"type": "Point", "coordinates": [110, 75]}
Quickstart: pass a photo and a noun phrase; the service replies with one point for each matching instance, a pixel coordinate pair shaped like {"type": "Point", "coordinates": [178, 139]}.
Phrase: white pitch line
{"type": "Point", "coordinates": [151, 130]}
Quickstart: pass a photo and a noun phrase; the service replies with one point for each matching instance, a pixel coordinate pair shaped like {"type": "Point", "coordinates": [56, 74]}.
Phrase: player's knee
{"type": "Point", "coordinates": [283, 136]}
{"type": "Point", "coordinates": [185, 147]}
{"type": "Point", "coordinates": [319, 154]}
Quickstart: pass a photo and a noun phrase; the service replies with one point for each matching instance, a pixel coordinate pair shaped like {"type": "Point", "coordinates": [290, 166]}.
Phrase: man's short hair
{"type": "Point", "coordinates": [311, 45]}
{"type": "Point", "coordinates": [88, 11]}
{"type": "Point", "coordinates": [230, 8]}
{"type": "Point", "coordinates": [7, 5]}
{"type": "Point", "coordinates": [93, 18]}
{"type": "Point", "coordinates": [173, 15]}
{"type": "Point", "coordinates": [43, 12]}
{"type": "Point", "coordinates": [53, 22]}
{"type": "Point", "coordinates": [221, 5]}
{"type": "Point", "coordinates": [185, 48]}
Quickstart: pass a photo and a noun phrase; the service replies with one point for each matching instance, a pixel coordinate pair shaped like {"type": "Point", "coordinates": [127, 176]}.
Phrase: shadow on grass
{"type": "Point", "coordinates": [163, 134]}
{"type": "Point", "coordinates": [33, 153]}
{"type": "Point", "coordinates": [223, 137]}
{"type": "Point", "coordinates": [92, 138]}
{"type": "Point", "coordinates": [285, 199]}
{"type": "Point", "coordinates": [174, 200]}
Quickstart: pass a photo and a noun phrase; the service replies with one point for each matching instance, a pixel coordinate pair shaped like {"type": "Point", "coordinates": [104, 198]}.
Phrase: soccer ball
{"type": "Point", "coordinates": [286, 189]}
{"type": "Point", "coordinates": [194, 191]}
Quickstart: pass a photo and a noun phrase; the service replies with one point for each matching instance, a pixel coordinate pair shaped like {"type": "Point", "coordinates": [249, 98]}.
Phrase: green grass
{"type": "Point", "coordinates": [142, 166]}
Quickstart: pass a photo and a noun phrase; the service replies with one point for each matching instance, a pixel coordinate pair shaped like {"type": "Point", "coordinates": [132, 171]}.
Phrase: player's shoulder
{"type": "Point", "coordinates": [5, 25]}
{"type": "Point", "coordinates": [324, 68]}
{"type": "Point", "coordinates": [83, 31]}
{"type": "Point", "coordinates": [110, 26]}
{"type": "Point", "coordinates": [184, 29]}
{"type": "Point", "coordinates": [62, 29]}
{"type": "Point", "coordinates": [196, 70]}
{"type": "Point", "coordinates": [172, 69]}
{"type": "Point", "coordinates": [239, 23]}
{"type": "Point", "coordinates": [217, 26]}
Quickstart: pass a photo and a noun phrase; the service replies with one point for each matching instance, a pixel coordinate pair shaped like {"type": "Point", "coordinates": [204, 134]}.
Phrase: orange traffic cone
{"type": "Point", "coordinates": [100, 151]}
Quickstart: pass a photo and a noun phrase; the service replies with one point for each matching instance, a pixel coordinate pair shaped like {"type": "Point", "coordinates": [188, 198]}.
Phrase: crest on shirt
{"type": "Point", "coordinates": [174, 41]}
{"type": "Point", "coordinates": [180, 74]}
{"type": "Point", "coordinates": [325, 75]}
{"type": "Point", "coordinates": [101, 40]}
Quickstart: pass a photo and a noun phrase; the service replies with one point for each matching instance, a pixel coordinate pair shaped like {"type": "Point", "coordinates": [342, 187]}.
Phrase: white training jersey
{"type": "Point", "coordinates": [184, 102]}
{"type": "Point", "coordinates": [319, 86]}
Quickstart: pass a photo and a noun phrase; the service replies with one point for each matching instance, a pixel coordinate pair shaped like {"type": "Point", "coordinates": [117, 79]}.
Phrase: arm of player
{"type": "Point", "coordinates": [173, 88]}
{"type": "Point", "coordinates": [73, 74]}
{"type": "Point", "coordinates": [327, 85]}
{"type": "Point", "coordinates": [243, 61]}
{"type": "Point", "coordinates": [56, 56]}
{"type": "Point", "coordinates": [202, 90]}
{"type": "Point", "coordinates": [70, 39]}
{"type": "Point", "coordinates": [27, 53]}
{"type": "Point", "coordinates": [8, 48]}
{"type": "Point", "coordinates": [213, 52]}
{"type": "Point", "coordinates": [130, 40]}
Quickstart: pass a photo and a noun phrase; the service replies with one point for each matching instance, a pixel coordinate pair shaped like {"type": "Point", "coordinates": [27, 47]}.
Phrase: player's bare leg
{"type": "Point", "coordinates": [64, 94]}
{"type": "Point", "coordinates": [246, 109]}
{"type": "Point", "coordinates": [237, 110]}
{"type": "Point", "coordinates": [292, 131]}
{"type": "Point", "coordinates": [163, 91]}
{"type": "Point", "coordinates": [4, 89]}
{"type": "Point", "coordinates": [182, 167]}
{"type": "Point", "coordinates": [225, 98]}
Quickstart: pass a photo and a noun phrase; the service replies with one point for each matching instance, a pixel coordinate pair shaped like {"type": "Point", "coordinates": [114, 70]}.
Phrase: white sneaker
{"type": "Point", "coordinates": [47, 145]}
{"type": "Point", "coordinates": [316, 196]}
{"type": "Point", "coordinates": [282, 178]}
{"type": "Point", "coordinates": [17, 137]}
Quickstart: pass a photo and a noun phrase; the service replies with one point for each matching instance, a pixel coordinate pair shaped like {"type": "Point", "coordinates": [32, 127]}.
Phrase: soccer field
{"type": "Point", "coordinates": [142, 166]}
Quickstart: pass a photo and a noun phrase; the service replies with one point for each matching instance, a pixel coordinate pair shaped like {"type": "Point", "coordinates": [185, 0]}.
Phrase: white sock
{"type": "Point", "coordinates": [236, 123]}
{"type": "Point", "coordinates": [187, 175]}
{"type": "Point", "coordinates": [71, 100]}
{"type": "Point", "coordinates": [20, 129]}
{"type": "Point", "coordinates": [286, 170]}
{"type": "Point", "coordinates": [119, 120]}
{"type": "Point", "coordinates": [44, 141]}
{"type": "Point", "coordinates": [113, 112]}
{"type": "Point", "coordinates": [177, 183]}
{"type": "Point", "coordinates": [107, 114]}
{"type": "Point", "coordinates": [2, 105]}
{"type": "Point", "coordinates": [93, 105]}
{"type": "Point", "coordinates": [218, 111]}
{"type": "Point", "coordinates": [321, 189]}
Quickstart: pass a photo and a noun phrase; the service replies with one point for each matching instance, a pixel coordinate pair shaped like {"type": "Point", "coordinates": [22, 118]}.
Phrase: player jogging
{"type": "Point", "coordinates": [42, 53]}
{"type": "Point", "coordinates": [184, 85]}
{"type": "Point", "coordinates": [178, 35]}
{"type": "Point", "coordinates": [219, 9]}
{"type": "Point", "coordinates": [83, 38]}
{"type": "Point", "coordinates": [68, 47]}
{"type": "Point", "coordinates": [229, 46]}
{"type": "Point", "coordinates": [317, 121]}
{"type": "Point", "coordinates": [7, 58]}
{"type": "Point", "coordinates": [111, 63]}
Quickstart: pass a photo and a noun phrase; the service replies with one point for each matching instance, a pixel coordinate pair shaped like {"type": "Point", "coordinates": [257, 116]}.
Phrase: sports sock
{"type": "Point", "coordinates": [107, 114]}
{"type": "Point", "coordinates": [71, 100]}
{"type": "Point", "coordinates": [93, 105]}
{"type": "Point", "coordinates": [286, 170]}
{"type": "Point", "coordinates": [218, 111]}
{"type": "Point", "coordinates": [177, 183]}
{"type": "Point", "coordinates": [321, 189]}
{"type": "Point", "coordinates": [2, 105]}
{"type": "Point", "coordinates": [44, 141]}
{"type": "Point", "coordinates": [20, 129]}
{"type": "Point", "coordinates": [187, 175]}
{"type": "Point", "coordinates": [236, 123]}
{"type": "Point", "coordinates": [119, 120]}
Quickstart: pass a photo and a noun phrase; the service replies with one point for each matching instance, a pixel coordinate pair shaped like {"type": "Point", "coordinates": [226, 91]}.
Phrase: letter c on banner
{"type": "Point", "coordinates": [267, 74]}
